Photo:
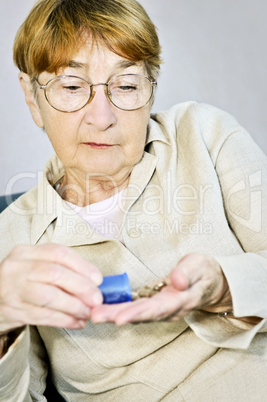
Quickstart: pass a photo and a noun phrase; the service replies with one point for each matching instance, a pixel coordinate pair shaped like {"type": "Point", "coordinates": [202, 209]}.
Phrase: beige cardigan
{"type": "Point", "coordinates": [200, 186]}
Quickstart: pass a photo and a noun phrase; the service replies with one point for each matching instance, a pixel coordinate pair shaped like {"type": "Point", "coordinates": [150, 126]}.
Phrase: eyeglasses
{"type": "Point", "coordinates": [68, 93]}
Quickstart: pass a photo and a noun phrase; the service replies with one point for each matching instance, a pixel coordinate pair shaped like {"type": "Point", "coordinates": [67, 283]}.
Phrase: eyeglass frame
{"type": "Point", "coordinates": [106, 84]}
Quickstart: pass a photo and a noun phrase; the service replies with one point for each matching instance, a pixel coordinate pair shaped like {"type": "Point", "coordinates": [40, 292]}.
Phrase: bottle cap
{"type": "Point", "coordinates": [116, 289]}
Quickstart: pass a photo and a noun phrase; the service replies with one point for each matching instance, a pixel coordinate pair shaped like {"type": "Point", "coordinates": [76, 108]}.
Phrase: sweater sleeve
{"type": "Point", "coordinates": [241, 168]}
{"type": "Point", "coordinates": [242, 171]}
{"type": "Point", "coordinates": [15, 373]}
{"type": "Point", "coordinates": [19, 382]}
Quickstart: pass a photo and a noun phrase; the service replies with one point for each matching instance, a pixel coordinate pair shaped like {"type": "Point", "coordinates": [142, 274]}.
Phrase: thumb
{"type": "Point", "coordinates": [178, 279]}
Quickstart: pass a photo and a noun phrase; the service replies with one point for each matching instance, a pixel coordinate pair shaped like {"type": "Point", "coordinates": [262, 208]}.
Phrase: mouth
{"type": "Point", "coordinates": [96, 145]}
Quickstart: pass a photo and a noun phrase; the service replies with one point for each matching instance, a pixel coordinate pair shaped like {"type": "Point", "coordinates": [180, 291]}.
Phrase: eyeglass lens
{"type": "Point", "coordinates": [127, 92]}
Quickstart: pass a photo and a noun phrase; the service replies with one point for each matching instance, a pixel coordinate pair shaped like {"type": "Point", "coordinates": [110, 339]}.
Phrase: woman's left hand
{"type": "Point", "coordinates": [196, 283]}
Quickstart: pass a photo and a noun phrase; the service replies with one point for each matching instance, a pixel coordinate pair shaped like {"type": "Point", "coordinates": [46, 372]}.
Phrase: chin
{"type": "Point", "coordinates": [102, 171]}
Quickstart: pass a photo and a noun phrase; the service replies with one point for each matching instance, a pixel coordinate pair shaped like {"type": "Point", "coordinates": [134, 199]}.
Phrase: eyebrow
{"type": "Point", "coordinates": [76, 64]}
{"type": "Point", "coordinates": [120, 65]}
{"type": "Point", "coordinates": [125, 64]}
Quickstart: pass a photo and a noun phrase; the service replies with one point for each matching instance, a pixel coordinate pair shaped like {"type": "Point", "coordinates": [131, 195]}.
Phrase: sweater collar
{"type": "Point", "coordinates": [51, 208]}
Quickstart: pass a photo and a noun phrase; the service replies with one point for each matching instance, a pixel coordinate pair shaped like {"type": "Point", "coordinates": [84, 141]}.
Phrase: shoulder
{"type": "Point", "coordinates": [196, 115]}
{"type": "Point", "coordinates": [190, 122]}
{"type": "Point", "coordinates": [26, 202]}
{"type": "Point", "coordinates": [15, 222]}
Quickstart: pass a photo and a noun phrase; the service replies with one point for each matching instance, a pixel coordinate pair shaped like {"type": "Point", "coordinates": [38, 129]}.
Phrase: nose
{"type": "Point", "coordinates": [99, 110]}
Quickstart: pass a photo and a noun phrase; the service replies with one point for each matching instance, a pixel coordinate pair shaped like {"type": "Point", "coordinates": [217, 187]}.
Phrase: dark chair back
{"type": "Point", "coordinates": [5, 200]}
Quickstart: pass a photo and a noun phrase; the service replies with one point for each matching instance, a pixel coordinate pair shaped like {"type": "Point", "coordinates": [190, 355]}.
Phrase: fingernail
{"type": "Point", "coordinates": [97, 278]}
{"type": "Point", "coordinates": [120, 323]}
{"type": "Point", "coordinates": [87, 312]}
{"type": "Point", "coordinates": [100, 320]}
{"type": "Point", "coordinates": [98, 298]}
{"type": "Point", "coordinates": [81, 323]}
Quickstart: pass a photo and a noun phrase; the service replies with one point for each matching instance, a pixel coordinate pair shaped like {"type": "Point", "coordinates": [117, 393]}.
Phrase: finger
{"type": "Point", "coordinates": [188, 271]}
{"type": "Point", "coordinates": [53, 298]}
{"type": "Point", "coordinates": [68, 280]}
{"type": "Point", "coordinates": [61, 255]}
{"type": "Point", "coordinates": [108, 312]}
{"type": "Point", "coordinates": [158, 307]}
{"type": "Point", "coordinates": [155, 308]}
{"type": "Point", "coordinates": [57, 319]}
{"type": "Point", "coordinates": [205, 276]}
{"type": "Point", "coordinates": [31, 315]}
{"type": "Point", "coordinates": [179, 279]}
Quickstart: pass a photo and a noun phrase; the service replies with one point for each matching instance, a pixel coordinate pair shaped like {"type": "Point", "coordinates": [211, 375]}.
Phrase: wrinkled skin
{"type": "Point", "coordinates": [47, 285]}
{"type": "Point", "coordinates": [197, 282]}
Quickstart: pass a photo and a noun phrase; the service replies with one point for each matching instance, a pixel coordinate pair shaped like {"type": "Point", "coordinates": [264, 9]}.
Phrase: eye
{"type": "Point", "coordinates": [71, 87]}
{"type": "Point", "coordinates": [123, 88]}
{"type": "Point", "coordinates": [128, 87]}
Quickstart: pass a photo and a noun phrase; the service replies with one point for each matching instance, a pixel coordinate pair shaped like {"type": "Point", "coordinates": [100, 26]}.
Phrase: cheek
{"type": "Point", "coordinates": [53, 120]}
{"type": "Point", "coordinates": [61, 134]}
{"type": "Point", "coordinates": [135, 137]}
{"type": "Point", "coordinates": [56, 136]}
{"type": "Point", "coordinates": [58, 127]}
{"type": "Point", "coordinates": [135, 126]}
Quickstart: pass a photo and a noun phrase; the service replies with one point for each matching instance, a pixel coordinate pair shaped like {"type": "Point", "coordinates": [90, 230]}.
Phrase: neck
{"type": "Point", "coordinates": [91, 190]}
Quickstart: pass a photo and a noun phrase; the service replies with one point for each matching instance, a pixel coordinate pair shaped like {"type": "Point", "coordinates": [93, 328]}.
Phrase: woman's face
{"type": "Point", "coordinates": [99, 139]}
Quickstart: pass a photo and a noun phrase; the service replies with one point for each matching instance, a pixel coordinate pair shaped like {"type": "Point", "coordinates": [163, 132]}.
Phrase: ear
{"type": "Point", "coordinates": [25, 83]}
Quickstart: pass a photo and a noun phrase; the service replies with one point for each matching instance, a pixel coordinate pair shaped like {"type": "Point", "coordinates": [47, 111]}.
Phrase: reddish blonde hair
{"type": "Point", "coordinates": [54, 31]}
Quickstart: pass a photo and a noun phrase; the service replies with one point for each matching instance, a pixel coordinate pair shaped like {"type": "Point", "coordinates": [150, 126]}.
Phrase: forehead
{"type": "Point", "coordinates": [94, 61]}
{"type": "Point", "coordinates": [94, 56]}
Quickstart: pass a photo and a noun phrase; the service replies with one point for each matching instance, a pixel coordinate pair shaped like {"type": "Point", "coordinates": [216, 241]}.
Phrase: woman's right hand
{"type": "Point", "coordinates": [47, 285]}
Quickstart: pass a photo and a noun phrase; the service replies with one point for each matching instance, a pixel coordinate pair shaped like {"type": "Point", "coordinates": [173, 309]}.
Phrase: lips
{"type": "Point", "coordinates": [96, 145]}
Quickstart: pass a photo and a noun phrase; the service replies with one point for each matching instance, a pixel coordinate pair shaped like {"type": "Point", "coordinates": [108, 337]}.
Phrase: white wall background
{"type": "Point", "coordinates": [214, 51]}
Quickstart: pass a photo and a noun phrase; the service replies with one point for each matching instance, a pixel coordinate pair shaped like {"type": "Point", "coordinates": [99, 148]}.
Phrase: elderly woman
{"type": "Point", "coordinates": [176, 199]}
